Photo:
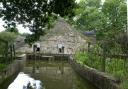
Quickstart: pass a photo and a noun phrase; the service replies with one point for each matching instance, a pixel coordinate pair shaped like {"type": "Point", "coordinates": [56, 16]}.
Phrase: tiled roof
{"type": "Point", "coordinates": [89, 33]}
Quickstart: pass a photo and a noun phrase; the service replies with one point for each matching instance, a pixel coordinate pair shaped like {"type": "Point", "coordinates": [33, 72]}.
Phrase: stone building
{"type": "Point", "coordinates": [61, 33]}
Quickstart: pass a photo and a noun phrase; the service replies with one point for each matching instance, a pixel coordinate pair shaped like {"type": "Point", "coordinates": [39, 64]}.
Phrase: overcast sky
{"type": "Point", "coordinates": [20, 27]}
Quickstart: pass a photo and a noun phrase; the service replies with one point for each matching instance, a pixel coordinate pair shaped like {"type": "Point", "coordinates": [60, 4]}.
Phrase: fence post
{"type": "Point", "coordinates": [104, 58]}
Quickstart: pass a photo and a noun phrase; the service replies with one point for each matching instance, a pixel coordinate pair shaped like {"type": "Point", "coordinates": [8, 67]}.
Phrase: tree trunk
{"type": "Point", "coordinates": [89, 46]}
{"type": "Point", "coordinates": [11, 52]}
{"type": "Point", "coordinates": [6, 53]}
{"type": "Point", "coordinates": [14, 51]}
{"type": "Point", "coordinates": [103, 63]}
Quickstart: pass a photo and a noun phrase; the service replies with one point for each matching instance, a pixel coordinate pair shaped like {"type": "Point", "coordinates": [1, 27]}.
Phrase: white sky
{"type": "Point", "coordinates": [77, 1]}
{"type": "Point", "coordinates": [21, 28]}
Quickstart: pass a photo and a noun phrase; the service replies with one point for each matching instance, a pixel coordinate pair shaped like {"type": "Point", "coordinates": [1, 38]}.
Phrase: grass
{"type": "Point", "coordinates": [115, 67]}
{"type": "Point", "coordinates": [124, 84]}
{"type": "Point", "coordinates": [89, 60]}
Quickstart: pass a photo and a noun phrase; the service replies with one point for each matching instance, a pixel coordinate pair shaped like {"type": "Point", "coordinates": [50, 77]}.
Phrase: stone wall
{"type": "Point", "coordinates": [99, 79]}
{"type": "Point", "coordinates": [12, 68]}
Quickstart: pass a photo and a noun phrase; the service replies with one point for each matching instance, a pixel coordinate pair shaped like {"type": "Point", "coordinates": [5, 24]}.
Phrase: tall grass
{"type": "Point", "coordinates": [114, 66]}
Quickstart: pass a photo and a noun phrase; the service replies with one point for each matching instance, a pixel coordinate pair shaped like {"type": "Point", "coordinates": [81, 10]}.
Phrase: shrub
{"type": "Point", "coordinates": [2, 66]}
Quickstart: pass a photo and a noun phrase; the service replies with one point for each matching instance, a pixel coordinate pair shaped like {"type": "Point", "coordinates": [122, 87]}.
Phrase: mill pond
{"type": "Point", "coordinates": [48, 75]}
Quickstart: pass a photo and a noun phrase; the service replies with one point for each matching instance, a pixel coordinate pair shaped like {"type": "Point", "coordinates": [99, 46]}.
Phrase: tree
{"type": "Point", "coordinates": [106, 20]}
{"type": "Point", "coordinates": [35, 14]}
{"type": "Point", "coordinates": [31, 38]}
{"type": "Point", "coordinates": [7, 36]}
{"type": "Point", "coordinates": [6, 41]}
{"type": "Point", "coordinates": [122, 40]}
{"type": "Point", "coordinates": [90, 17]}
{"type": "Point", "coordinates": [116, 13]}
{"type": "Point", "coordinates": [12, 29]}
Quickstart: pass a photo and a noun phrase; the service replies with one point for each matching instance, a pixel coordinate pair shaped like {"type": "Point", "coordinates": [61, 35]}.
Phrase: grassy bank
{"type": "Point", "coordinates": [115, 67]}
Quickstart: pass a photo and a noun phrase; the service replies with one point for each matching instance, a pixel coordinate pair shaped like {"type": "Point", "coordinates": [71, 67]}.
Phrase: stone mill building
{"type": "Point", "coordinates": [61, 33]}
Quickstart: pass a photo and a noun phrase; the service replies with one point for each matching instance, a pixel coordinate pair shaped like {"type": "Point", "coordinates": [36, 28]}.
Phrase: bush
{"type": "Point", "coordinates": [2, 66]}
{"type": "Point", "coordinates": [82, 57]}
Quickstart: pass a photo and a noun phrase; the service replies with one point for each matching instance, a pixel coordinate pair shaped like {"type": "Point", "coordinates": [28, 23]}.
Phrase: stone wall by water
{"type": "Point", "coordinates": [12, 68]}
{"type": "Point", "coordinates": [99, 79]}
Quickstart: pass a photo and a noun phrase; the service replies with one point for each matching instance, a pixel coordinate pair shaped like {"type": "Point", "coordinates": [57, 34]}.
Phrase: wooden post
{"type": "Point", "coordinates": [14, 51]}
{"type": "Point", "coordinates": [34, 66]}
{"type": "Point", "coordinates": [89, 46]}
{"type": "Point", "coordinates": [103, 63]}
{"type": "Point", "coordinates": [6, 52]}
{"type": "Point", "coordinates": [104, 58]}
{"type": "Point", "coordinates": [11, 52]}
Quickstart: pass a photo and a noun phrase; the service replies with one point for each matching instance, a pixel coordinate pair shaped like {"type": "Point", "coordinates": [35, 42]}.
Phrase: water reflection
{"type": "Point", "coordinates": [24, 81]}
{"type": "Point", "coordinates": [56, 75]}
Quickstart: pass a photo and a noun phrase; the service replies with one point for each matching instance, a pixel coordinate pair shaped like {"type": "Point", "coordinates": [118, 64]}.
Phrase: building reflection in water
{"type": "Point", "coordinates": [56, 75]}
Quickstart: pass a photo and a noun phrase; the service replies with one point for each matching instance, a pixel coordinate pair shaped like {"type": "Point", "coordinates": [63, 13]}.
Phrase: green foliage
{"type": "Point", "coordinates": [35, 14]}
{"type": "Point", "coordinates": [64, 7]}
{"type": "Point", "coordinates": [116, 13]}
{"type": "Point", "coordinates": [31, 38]}
{"type": "Point", "coordinates": [109, 22]}
{"type": "Point", "coordinates": [51, 21]}
{"type": "Point", "coordinates": [2, 66]}
{"type": "Point", "coordinates": [122, 40]}
{"type": "Point", "coordinates": [90, 16]}
{"type": "Point", "coordinates": [81, 57]}
{"type": "Point", "coordinates": [2, 45]}
{"type": "Point", "coordinates": [6, 40]}
{"type": "Point", "coordinates": [114, 67]}
{"type": "Point", "coordinates": [86, 59]}
{"type": "Point", "coordinates": [105, 20]}
{"type": "Point", "coordinates": [124, 84]}
{"type": "Point", "coordinates": [7, 36]}
{"type": "Point", "coordinates": [14, 30]}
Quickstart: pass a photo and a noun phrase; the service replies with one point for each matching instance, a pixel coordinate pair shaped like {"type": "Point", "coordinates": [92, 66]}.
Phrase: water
{"type": "Point", "coordinates": [23, 81]}
{"type": "Point", "coordinates": [56, 75]}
